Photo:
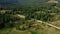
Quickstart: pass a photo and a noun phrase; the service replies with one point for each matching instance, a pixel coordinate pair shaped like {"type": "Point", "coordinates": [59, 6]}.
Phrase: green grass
{"type": "Point", "coordinates": [6, 30]}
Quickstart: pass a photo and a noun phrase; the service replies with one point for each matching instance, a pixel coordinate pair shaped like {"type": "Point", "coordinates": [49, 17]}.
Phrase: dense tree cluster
{"type": "Point", "coordinates": [44, 12]}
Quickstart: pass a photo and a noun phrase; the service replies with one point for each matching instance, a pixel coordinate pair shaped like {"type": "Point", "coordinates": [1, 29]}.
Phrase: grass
{"type": "Point", "coordinates": [6, 30]}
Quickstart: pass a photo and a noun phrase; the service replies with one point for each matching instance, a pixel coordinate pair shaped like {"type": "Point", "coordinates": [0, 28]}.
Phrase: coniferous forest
{"type": "Point", "coordinates": [23, 19]}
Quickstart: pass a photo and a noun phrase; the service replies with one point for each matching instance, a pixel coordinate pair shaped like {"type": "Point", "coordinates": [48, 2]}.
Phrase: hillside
{"type": "Point", "coordinates": [23, 19]}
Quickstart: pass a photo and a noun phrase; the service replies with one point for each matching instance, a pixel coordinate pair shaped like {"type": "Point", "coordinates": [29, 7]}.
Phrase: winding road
{"type": "Point", "coordinates": [43, 22]}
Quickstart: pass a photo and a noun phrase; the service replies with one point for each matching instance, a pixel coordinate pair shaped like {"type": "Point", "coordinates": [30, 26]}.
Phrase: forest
{"type": "Point", "coordinates": [22, 20]}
